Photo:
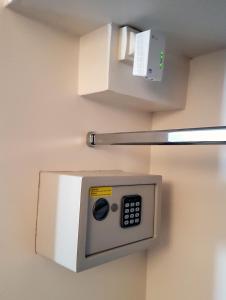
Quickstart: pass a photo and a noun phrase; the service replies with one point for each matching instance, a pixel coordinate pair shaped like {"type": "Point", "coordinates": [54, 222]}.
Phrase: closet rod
{"type": "Point", "coordinates": [185, 136]}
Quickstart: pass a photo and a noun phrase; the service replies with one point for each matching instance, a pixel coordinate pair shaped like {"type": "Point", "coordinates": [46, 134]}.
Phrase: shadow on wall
{"type": "Point", "coordinates": [219, 291]}
{"type": "Point", "coordinates": [189, 259]}
{"type": "Point", "coordinates": [164, 232]}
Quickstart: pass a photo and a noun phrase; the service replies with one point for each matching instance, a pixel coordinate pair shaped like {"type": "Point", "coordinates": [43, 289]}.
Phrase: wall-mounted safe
{"type": "Point", "coordinates": [88, 218]}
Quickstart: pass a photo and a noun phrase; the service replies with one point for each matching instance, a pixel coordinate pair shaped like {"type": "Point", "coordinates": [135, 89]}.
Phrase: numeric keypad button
{"type": "Point", "coordinates": [131, 211]}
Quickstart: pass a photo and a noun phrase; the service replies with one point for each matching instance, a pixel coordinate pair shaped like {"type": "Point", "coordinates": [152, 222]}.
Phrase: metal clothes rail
{"type": "Point", "coordinates": [185, 136]}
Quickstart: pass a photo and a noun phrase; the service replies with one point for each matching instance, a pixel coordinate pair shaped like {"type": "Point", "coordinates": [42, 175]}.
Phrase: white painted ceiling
{"type": "Point", "coordinates": [192, 26]}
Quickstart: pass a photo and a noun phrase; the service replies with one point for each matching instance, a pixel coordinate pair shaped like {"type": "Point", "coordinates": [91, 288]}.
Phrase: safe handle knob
{"type": "Point", "coordinates": [101, 209]}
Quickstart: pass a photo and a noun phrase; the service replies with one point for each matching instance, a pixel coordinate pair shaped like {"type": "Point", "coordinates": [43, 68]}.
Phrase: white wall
{"type": "Point", "coordinates": [189, 261]}
{"type": "Point", "coordinates": [42, 127]}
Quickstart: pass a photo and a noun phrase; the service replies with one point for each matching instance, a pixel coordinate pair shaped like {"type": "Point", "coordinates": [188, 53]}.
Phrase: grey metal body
{"type": "Point", "coordinates": [189, 136]}
{"type": "Point", "coordinates": [107, 234]}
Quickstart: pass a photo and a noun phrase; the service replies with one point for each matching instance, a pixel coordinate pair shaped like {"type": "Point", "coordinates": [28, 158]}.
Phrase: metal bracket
{"type": "Point", "coordinates": [90, 139]}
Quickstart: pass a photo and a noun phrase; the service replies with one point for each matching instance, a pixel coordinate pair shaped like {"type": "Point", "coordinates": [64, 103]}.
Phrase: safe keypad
{"type": "Point", "coordinates": [131, 211]}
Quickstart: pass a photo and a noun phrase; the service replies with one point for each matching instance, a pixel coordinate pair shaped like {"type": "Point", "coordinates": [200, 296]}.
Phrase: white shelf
{"type": "Point", "coordinates": [102, 77]}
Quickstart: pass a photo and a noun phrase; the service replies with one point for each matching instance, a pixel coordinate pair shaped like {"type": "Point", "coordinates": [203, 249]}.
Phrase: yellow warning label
{"type": "Point", "coordinates": [100, 191]}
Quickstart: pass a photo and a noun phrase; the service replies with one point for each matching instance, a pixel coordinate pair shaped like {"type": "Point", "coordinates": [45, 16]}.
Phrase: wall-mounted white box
{"type": "Point", "coordinates": [103, 77]}
{"type": "Point", "coordinates": [88, 218]}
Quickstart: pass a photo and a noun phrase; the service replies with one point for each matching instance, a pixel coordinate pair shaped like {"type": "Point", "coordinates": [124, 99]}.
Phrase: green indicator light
{"type": "Point", "coordinates": [162, 56]}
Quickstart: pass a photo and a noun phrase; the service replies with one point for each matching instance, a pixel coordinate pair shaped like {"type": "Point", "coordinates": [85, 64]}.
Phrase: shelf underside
{"type": "Point", "coordinates": [187, 24]}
